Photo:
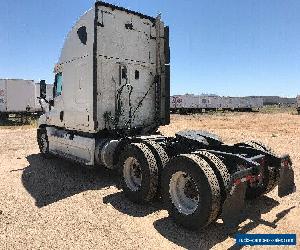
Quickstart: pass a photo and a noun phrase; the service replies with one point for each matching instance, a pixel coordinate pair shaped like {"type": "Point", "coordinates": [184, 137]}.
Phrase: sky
{"type": "Point", "coordinates": [229, 47]}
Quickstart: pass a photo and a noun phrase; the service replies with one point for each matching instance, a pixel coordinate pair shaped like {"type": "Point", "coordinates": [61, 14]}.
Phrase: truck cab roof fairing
{"type": "Point", "coordinates": [74, 47]}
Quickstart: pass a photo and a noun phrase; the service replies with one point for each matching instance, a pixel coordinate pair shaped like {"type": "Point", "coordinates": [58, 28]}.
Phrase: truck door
{"type": "Point", "coordinates": [57, 113]}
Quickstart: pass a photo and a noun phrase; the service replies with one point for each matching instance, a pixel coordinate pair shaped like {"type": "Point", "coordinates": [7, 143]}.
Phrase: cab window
{"type": "Point", "coordinates": [58, 84]}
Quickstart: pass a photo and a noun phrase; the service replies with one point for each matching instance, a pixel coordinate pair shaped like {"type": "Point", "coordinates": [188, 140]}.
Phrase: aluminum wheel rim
{"type": "Point", "coordinates": [132, 174]}
{"type": "Point", "coordinates": [185, 202]}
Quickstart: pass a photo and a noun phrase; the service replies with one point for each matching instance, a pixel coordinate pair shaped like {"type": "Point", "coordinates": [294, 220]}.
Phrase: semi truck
{"type": "Point", "coordinates": [112, 92]}
{"type": "Point", "coordinates": [20, 97]}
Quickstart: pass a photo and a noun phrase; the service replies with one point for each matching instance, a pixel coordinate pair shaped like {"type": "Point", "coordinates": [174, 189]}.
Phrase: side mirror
{"type": "Point", "coordinates": [43, 89]}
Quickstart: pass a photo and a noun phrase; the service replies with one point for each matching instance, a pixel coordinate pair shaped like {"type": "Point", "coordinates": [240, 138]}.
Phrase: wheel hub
{"type": "Point", "coordinates": [184, 193]}
{"type": "Point", "coordinates": [190, 190]}
{"type": "Point", "coordinates": [132, 174]}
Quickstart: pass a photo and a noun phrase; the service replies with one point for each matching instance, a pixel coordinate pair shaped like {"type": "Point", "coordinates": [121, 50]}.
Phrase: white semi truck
{"type": "Point", "coordinates": [18, 96]}
{"type": "Point", "coordinates": [112, 90]}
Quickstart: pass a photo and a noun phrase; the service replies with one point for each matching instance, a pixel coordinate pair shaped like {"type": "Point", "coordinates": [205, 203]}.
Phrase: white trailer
{"type": "Point", "coordinates": [210, 102]}
{"type": "Point", "coordinates": [256, 103]}
{"type": "Point", "coordinates": [193, 103]}
{"type": "Point", "coordinates": [176, 102]}
{"type": "Point", "coordinates": [18, 96]}
{"type": "Point", "coordinates": [198, 103]}
{"type": "Point", "coordinates": [246, 103]}
{"type": "Point", "coordinates": [186, 103]}
{"type": "Point", "coordinates": [112, 93]}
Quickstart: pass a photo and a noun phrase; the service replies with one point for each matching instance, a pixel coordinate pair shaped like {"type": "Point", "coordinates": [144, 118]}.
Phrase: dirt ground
{"type": "Point", "coordinates": [52, 203]}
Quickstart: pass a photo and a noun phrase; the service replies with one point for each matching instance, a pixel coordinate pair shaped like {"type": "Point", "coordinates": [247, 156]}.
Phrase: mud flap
{"type": "Point", "coordinates": [232, 210]}
{"type": "Point", "coordinates": [286, 183]}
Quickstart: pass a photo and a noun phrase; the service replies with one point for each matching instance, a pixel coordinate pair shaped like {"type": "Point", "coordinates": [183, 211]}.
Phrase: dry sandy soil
{"type": "Point", "coordinates": [57, 204]}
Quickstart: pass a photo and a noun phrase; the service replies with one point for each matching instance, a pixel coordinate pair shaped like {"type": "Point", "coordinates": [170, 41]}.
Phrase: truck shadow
{"type": "Point", "coordinates": [51, 180]}
{"type": "Point", "coordinates": [54, 179]}
{"type": "Point", "coordinates": [217, 232]}
{"type": "Point", "coordinates": [122, 204]}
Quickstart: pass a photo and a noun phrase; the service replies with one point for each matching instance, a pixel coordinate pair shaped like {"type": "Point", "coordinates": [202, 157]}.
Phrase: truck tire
{"type": "Point", "coordinates": [190, 191]}
{"type": "Point", "coordinates": [43, 142]}
{"type": "Point", "coordinates": [270, 176]}
{"type": "Point", "coordinates": [260, 146]}
{"type": "Point", "coordinates": [161, 158]}
{"type": "Point", "coordinates": [219, 169]}
{"type": "Point", "coordinates": [139, 179]}
{"type": "Point", "coordinates": [273, 174]}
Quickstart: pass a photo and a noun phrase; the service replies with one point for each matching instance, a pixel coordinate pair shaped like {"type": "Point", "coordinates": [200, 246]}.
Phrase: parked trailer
{"type": "Point", "coordinates": [190, 103]}
{"type": "Point", "coordinates": [20, 97]}
{"type": "Point", "coordinates": [209, 102]}
{"type": "Point", "coordinates": [254, 103]}
{"type": "Point", "coordinates": [112, 93]}
{"type": "Point", "coordinates": [246, 103]}
{"type": "Point", "coordinates": [186, 103]}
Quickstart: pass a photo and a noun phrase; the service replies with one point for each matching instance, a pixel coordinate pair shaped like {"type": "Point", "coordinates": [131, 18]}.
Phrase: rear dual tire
{"type": "Point", "coordinates": [190, 188]}
{"type": "Point", "coordinates": [141, 165]}
{"type": "Point", "coordinates": [191, 191]}
{"type": "Point", "coordinates": [139, 173]}
{"type": "Point", "coordinates": [161, 158]}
